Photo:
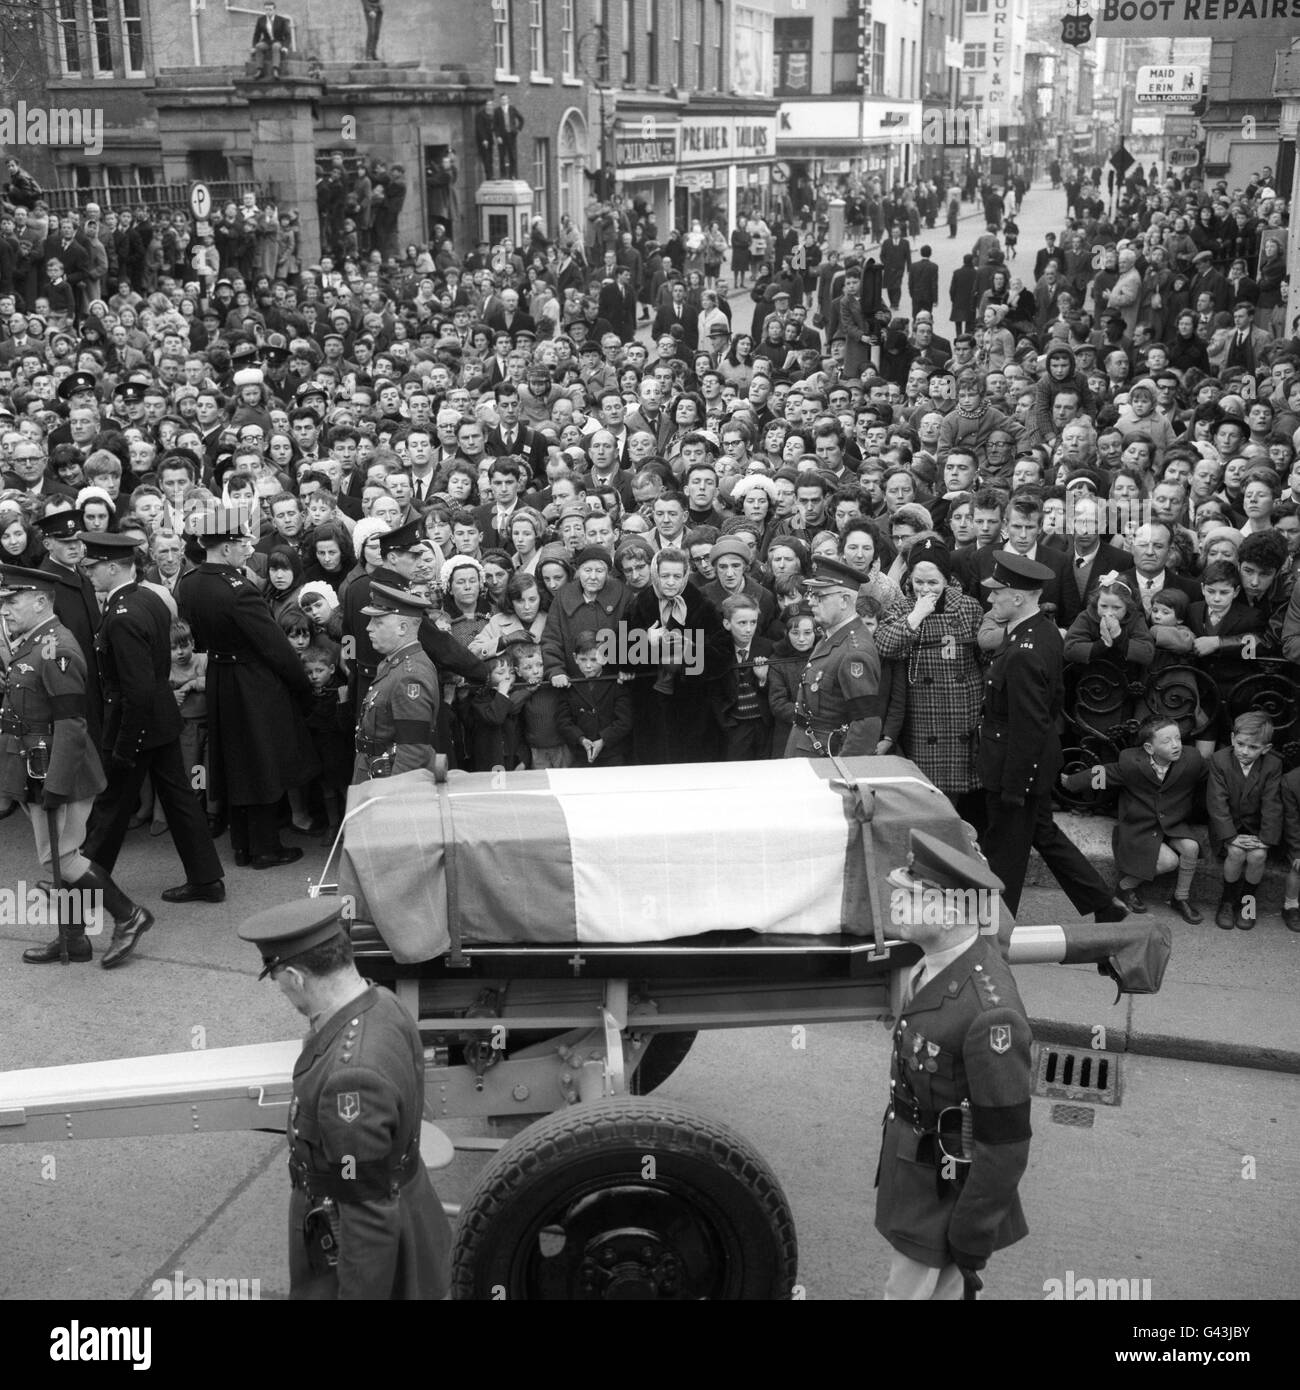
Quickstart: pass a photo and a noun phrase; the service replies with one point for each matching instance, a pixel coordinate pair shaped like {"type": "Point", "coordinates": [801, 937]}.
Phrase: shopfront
{"type": "Point", "coordinates": [859, 138]}
{"type": "Point", "coordinates": [645, 165]}
{"type": "Point", "coordinates": [726, 169]}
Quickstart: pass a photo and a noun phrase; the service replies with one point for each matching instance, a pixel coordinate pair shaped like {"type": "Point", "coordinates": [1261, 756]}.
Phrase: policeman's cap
{"type": "Point", "coordinates": [933, 864]}
{"type": "Point", "coordinates": [283, 934]}
{"type": "Point", "coordinates": [76, 381]}
{"type": "Point", "coordinates": [386, 600]}
{"type": "Point", "coordinates": [16, 579]}
{"type": "Point", "coordinates": [107, 545]}
{"type": "Point", "coordinates": [403, 538]}
{"type": "Point", "coordinates": [829, 574]}
{"type": "Point", "coordinates": [63, 526]}
{"type": "Point", "coordinates": [1012, 571]}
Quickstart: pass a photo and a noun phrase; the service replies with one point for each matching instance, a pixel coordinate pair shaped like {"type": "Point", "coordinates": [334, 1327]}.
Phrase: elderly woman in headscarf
{"type": "Point", "coordinates": [935, 634]}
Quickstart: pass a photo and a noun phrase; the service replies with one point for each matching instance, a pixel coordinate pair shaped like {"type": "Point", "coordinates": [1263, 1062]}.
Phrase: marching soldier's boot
{"type": "Point", "coordinates": [78, 948]}
{"type": "Point", "coordinates": [130, 921]}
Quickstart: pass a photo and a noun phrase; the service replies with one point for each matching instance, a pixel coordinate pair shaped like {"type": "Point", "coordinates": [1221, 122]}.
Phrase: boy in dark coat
{"type": "Point", "coordinates": [1244, 801]}
{"type": "Point", "coordinates": [331, 723]}
{"type": "Point", "coordinates": [595, 715]}
{"type": "Point", "coordinates": [1227, 634]}
{"type": "Point", "coordinates": [740, 676]}
{"type": "Point", "coordinates": [1157, 786]}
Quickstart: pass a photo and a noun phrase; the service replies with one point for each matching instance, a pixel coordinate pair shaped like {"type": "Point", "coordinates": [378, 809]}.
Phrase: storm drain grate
{"type": "Point", "coordinates": [1081, 1116]}
{"type": "Point", "coordinates": [1078, 1074]}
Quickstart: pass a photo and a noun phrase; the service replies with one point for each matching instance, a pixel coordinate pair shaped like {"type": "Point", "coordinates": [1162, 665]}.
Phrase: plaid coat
{"type": "Point", "coordinates": [944, 689]}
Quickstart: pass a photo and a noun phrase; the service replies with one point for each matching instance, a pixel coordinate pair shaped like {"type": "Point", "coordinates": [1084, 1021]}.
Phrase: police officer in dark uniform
{"type": "Point", "coordinates": [74, 600]}
{"type": "Point", "coordinates": [48, 761]}
{"type": "Point", "coordinates": [364, 1219]}
{"type": "Point", "coordinates": [258, 743]}
{"type": "Point", "coordinates": [956, 1130]}
{"type": "Point", "coordinates": [837, 710]}
{"type": "Point", "coordinates": [395, 729]}
{"type": "Point", "coordinates": [142, 724]}
{"type": "Point", "coordinates": [1020, 743]}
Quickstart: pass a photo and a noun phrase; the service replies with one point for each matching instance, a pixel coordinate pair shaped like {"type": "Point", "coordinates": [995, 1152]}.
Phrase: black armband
{"type": "Point", "coordinates": [1001, 1124]}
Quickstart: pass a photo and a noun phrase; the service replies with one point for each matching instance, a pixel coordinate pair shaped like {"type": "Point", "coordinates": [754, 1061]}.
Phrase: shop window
{"type": "Point", "coordinates": [792, 55]}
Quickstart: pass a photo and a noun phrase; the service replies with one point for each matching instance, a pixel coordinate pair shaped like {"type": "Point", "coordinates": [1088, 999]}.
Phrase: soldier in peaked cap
{"type": "Point", "coordinates": [956, 1131]}
{"type": "Point", "coordinates": [1020, 743]}
{"type": "Point", "coordinates": [364, 1219]}
{"type": "Point", "coordinates": [837, 709]}
{"type": "Point", "coordinates": [77, 383]}
{"type": "Point", "coordinates": [49, 764]}
{"type": "Point", "coordinates": [259, 747]}
{"type": "Point", "coordinates": [74, 599]}
{"type": "Point", "coordinates": [398, 719]}
{"type": "Point", "coordinates": [142, 725]}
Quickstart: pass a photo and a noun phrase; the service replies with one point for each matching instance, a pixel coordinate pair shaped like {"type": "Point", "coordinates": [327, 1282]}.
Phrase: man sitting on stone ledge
{"type": "Point", "coordinates": [272, 39]}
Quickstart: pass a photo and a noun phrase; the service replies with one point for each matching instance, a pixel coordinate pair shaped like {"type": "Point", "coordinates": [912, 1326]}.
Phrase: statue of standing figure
{"type": "Point", "coordinates": [374, 13]}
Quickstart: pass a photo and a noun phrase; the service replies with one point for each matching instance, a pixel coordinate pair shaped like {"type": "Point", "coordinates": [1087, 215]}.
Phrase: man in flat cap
{"type": "Point", "coordinates": [258, 743]}
{"type": "Point", "coordinates": [49, 764]}
{"type": "Point", "coordinates": [397, 722]}
{"type": "Point", "coordinates": [1020, 743]}
{"type": "Point", "coordinates": [364, 1219]}
{"type": "Point", "coordinates": [956, 1137]}
{"type": "Point", "coordinates": [837, 710]}
{"type": "Point", "coordinates": [142, 723]}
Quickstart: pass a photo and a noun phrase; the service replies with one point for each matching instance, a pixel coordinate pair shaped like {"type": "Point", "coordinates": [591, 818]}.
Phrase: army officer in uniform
{"type": "Point", "coordinates": [364, 1220]}
{"type": "Point", "coordinates": [956, 1131]}
{"type": "Point", "coordinates": [395, 729]}
{"type": "Point", "coordinates": [837, 710]}
{"type": "Point", "coordinates": [43, 731]}
{"type": "Point", "coordinates": [1020, 743]}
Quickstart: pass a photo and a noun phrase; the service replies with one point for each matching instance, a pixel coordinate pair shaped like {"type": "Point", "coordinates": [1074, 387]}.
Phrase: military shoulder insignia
{"type": "Point", "coordinates": [350, 1104]}
{"type": "Point", "coordinates": [855, 669]}
{"type": "Point", "coordinates": [412, 691]}
{"type": "Point", "coordinates": [234, 581]}
{"type": "Point", "coordinates": [999, 1041]}
{"type": "Point", "coordinates": [62, 663]}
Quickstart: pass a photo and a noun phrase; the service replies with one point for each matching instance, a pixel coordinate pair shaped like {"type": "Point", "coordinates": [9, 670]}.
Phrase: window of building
{"type": "Point", "coordinates": [502, 43]}
{"type": "Point", "coordinates": [652, 43]}
{"type": "Point", "coordinates": [792, 57]}
{"type": "Point", "coordinates": [537, 37]}
{"type": "Point", "coordinates": [844, 55]}
{"type": "Point", "coordinates": [977, 6]}
{"type": "Point", "coordinates": [133, 37]}
{"type": "Point", "coordinates": [627, 63]}
{"type": "Point", "coordinates": [569, 38]}
{"type": "Point", "coordinates": [720, 83]}
{"type": "Point", "coordinates": [679, 42]}
{"type": "Point", "coordinates": [541, 163]}
{"type": "Point", "coordinates": [878, 58]}
{"type": "Point", "coordinates": [69, 49]}
{"type": "Point", "coordinates": [902, 67]}
{"type": "Point", "coordinates": [101, 39]}
{"type": "Point", "coordinates": [700, 21]}
{"type": "Point", "coordinates": [751, 48]}
{"type": "Point", "coordinates": [974, 57]}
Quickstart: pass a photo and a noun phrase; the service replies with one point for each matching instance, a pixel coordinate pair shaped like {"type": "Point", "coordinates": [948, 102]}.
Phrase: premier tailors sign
{"type": "Point", "coordinates": [1218, 19]}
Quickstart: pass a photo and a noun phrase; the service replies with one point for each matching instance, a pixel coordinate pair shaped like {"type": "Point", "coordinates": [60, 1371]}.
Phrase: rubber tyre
{"type": "Point", "coordinates": [590, 1157]}
{"type": "Point", "coordinates": [664, 1053]}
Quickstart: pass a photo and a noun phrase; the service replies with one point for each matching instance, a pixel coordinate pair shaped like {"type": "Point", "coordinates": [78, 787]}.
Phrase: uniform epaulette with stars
{"type": "Point", "coordinates": [988, 989]}
{"type": "Point", "coordinates": [234, 581]}
{"type": "Point", "coordinates": [351, 1038]}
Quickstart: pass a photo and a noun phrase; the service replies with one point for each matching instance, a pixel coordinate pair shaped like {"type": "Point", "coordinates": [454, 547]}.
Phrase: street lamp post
{"type": "Point", "coordinates": [605, 185]}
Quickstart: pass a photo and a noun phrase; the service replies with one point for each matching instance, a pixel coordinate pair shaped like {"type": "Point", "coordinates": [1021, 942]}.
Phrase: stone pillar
{"type": "Point", "coordinates": [835, 224]}
{"type": "Point", "coordinates": [281, 127]}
